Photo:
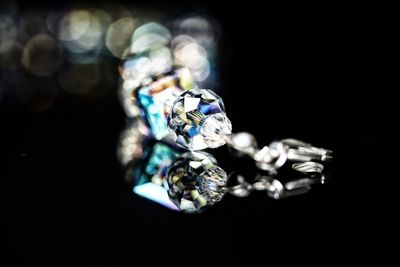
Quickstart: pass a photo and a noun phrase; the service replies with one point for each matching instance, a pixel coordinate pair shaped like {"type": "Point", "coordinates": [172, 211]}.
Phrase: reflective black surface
{"type": "Point", "coordinates": [325, 74]}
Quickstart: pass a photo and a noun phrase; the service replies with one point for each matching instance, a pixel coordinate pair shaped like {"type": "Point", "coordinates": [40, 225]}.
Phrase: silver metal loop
{"type": "Point", "coordinates": [243, 143]}
{"type": "Point", "coordinates": [308, 167]}
{"type": "Point", "coordinates": [301, 151]}
{"type": "Point", "coordinates": [271, 158]}
{"type": "Point", "coordinates": [274, 187]}
{"type": "Point", "coordinates": [241, 189]}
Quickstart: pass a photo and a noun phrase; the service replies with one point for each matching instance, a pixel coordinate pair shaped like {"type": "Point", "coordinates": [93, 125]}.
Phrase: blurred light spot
{"type": "Point", "coordinates": [8, 29]}
{"type": "Point", "coordinates": [81, 32]}
{"type": "Point", "coordinates": [190, 54]}
{"type": "Point", "coordinates": [181, 40]}
{"type": "Point", "coordinates": [10, 55]}
{"type": "Point", "coordinates": [119, 35]}
{"type": "Point", "coordinates": [128, 86]}
{"type": "Point", "coordinates": [131, 107]}
{"type": "Point", "coordinates": [149, 36]}
{"type": "Point", "coordinates": [127, 97]}
{"type": "Point", "coordinates": [136, 68]}
{"type": "Point", "coordinates": [130, 147]}
{"type": "Point", "coordinates": [42, 55]}
{"type": "Point", "coordinates": [74, 25]}
{"type": "Point", "coordinates": [203, 30]}
{"type": "Point", "coordinates": [80, 79]}
{"type": "Point", "coordinates": [161, 60]}
{"type": "Point", "coordinates": [103, 16]}
{"type": "Point", "coordinates": [185, 78]}
{"type": "Point", "coordinates": [89, 39]}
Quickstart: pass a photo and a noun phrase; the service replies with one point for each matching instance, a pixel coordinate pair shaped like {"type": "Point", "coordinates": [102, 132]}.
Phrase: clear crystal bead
{"type": "Point", "coordinates": [195, 182]}
{"type": "Point", "coordinates": [215, 127]}
{"type": "Point", "coordinates": [198, 120]}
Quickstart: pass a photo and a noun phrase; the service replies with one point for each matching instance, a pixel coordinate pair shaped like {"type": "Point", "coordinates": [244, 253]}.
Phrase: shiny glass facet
{"type": "Point", "coordinates": [198, 120]}
{"type": "Point", "coordinates": [195, 182]}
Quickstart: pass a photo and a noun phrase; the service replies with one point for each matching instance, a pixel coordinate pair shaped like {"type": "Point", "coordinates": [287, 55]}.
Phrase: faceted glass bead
{"type": "Point", "coordinates": [198, 120]}
{"type": "Point", "coordinates": [195, 182]}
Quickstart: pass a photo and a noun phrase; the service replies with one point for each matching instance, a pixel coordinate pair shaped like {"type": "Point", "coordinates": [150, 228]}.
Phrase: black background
{"type": "Point", "coordinates": [324, 73]}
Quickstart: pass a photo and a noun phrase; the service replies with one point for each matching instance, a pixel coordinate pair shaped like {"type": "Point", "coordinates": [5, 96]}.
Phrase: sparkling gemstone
{"type": "Point", "coordinates": [198, 120]}
{"type": "Point", "coordinates": [149, 174]}
{"type": "Point", "coordinates": [157, 96]}
{"type": "Point", "coordinates": [195, 182]}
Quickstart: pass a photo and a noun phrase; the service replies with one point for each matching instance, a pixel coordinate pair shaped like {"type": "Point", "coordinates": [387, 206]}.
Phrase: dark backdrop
{"type": "Point", "coordinates": [324, 73]}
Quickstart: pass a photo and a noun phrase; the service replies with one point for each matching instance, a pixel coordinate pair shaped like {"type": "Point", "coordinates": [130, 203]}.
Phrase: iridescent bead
{"type": "Point", "coordinates": [156, 98]}
{"type": "Point", "coordinates": [195, 182]}
{"type": "Point", "coordinates": [198, 120]}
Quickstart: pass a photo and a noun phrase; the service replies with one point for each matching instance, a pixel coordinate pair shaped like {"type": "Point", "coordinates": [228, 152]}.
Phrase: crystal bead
{"type": "Point", "coordinates": [198, 120]}
{"type": "Point", "coordinates": [195, 182]}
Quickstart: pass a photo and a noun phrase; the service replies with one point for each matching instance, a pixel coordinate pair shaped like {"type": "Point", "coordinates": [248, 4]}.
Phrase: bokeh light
{"type": "Point", "coordinates": [70, 47]}
{"type": "Point", "coordinates": [130, 142]}
{"type": "Point", "coordinates": [8, 29]}
{"type": "Point", "coordinates": [191, 54]}
{"type": "Point", "coordinates": [119, 35]}
{"type": "Point", "coordinates": [149, 36]}
{"type": "Point", "coordinates": [42, 55]}
{"type": "Point", "coordinates": [204, 30]}
{"type": "Point", "coordinates": [73, 25]}
{"type": "Point", "coordinates": [81, 33]}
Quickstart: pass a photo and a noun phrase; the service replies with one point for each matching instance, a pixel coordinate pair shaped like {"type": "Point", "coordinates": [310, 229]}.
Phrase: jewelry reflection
{"type": "Point", "coordinates": [196, 182]}
{"type": "Point", "coordinates": [192, 181]}
{"type": "Point", "coordinates": [311, 173]}
{"type": "Point", "coordinates": [146, 163]}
